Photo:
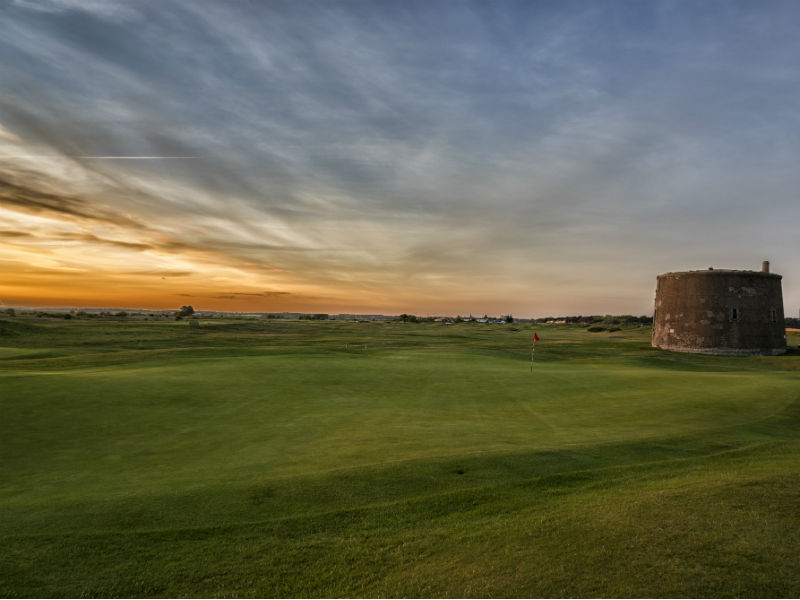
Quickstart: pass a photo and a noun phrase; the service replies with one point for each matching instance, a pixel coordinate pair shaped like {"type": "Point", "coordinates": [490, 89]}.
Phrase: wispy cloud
{"type": "Point", "coordinates": [163, 273]}
{"type": "Point", "coordinates": [27, 197]}
{"type": "Point", "coordinates": [8, 135]}
{"type": "Point", "coordinates": [115, 10]}
{"type": "Point", "coordinates": [15, 234]}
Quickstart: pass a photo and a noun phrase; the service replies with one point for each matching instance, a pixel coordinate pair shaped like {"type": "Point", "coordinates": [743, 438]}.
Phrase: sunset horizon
{"type": "Point", "coordinates": [426, 158]}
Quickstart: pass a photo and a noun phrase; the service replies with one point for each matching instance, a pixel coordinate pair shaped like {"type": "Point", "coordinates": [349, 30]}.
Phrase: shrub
{"type": "Point", "coordinates": [185, 311]}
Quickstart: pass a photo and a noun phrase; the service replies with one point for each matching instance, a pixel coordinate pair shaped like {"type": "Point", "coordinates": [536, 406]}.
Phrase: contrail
{"type": "Point", "coordinates": [138, 157]}
{"type": "Point", "coordinates": [34, 156]}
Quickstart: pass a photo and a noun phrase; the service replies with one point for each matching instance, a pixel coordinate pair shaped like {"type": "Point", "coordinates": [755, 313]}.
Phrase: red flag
{"type": "Point", "coordinates": [535, 337]}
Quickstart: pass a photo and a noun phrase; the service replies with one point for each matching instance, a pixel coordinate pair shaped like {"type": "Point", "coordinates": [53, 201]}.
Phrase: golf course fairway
{"type": "Point", "coordinates": [288, 458]}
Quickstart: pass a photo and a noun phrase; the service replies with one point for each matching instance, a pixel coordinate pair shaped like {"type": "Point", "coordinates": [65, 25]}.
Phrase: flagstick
{"type": "Point", "coordinates": [533, 349]}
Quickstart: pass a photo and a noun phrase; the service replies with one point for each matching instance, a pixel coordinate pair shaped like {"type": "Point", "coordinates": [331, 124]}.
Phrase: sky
{"type": "Point", "coordinates": [534, 158]}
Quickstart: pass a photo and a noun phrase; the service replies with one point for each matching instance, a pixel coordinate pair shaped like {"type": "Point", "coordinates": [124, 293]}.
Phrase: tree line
{"type": "Point", "coordinates": [596, 319]}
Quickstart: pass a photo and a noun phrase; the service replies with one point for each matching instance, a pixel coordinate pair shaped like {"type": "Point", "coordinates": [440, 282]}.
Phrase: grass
{"type": "Point", "coordinates": [260, 458]}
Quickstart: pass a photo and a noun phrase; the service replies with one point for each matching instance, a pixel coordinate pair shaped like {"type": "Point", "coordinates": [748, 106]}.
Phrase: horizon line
{"type": "Point", "coordinates": [267, 312]}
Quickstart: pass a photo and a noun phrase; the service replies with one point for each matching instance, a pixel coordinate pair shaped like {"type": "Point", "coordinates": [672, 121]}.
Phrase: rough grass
{"type": "Point", "coordinates": [259, 458]}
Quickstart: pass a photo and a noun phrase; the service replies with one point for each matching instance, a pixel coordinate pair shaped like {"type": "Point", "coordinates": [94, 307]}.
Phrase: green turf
{"type": "Point", "coordinates": [262, 458]}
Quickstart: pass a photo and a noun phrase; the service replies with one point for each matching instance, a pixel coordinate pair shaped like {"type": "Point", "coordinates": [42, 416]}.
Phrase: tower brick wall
{"type": "Point", "coordinates": [738, 313]}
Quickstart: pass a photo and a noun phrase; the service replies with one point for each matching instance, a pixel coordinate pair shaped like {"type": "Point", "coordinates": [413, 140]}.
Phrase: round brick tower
{"type": "Point", "coordinates": [736, 313]}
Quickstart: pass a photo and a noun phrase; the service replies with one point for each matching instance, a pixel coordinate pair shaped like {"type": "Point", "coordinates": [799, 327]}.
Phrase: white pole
{"type": "Point", "coordinates": [533, 349]}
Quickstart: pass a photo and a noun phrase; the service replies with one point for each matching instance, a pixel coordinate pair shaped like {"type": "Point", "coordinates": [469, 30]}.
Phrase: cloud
{"type": "Point", "coordinates": [270, 294]}
{"type": "Point", "coordinates": [15, 234]}
{"type": "Point", "coordinates": [162, 273]}
{"type": "Point", "coordinates": [32, 199]}
{"type": "Point", "coordinates": [8, 135]}
{"type": "Point", "coordinates": [91, 238]}
{"type": "Point", "coordinates": [107, 9]}
{"type": "Point", "coordinates": [242, 295]}
{"type": "Point", "coordinates": [35, 198]}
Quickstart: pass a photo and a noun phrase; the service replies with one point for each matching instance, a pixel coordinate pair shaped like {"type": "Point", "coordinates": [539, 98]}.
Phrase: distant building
{"type": "Point", "coordinates": [735, 313]}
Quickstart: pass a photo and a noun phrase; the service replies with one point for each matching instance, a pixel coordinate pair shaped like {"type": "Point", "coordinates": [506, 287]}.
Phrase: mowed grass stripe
{"type": "Point", "coordinates": [384, 486]}
{"type": "Point", "coordinates": [230, 413]}
{"type": "Point", "coordinates": [529, 539]}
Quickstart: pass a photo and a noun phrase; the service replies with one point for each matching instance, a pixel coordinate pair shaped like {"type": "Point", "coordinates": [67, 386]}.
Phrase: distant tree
{"type": "Point", "coordinates": [509, 319]}
{"type": "Point", "coordinates": [314, 317]}
{"type": "Point", "coordinates": [185, 311]}
{"type": "Point", "coordinates": [11, 312]}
